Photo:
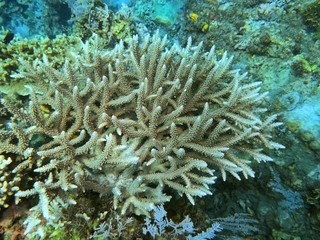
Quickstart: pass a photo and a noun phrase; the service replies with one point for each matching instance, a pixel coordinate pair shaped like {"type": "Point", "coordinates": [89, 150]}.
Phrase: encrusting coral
{"type": "Point", "coordinates": [130, 123]}
{"type": "Point", "coordinates": [29, 50]}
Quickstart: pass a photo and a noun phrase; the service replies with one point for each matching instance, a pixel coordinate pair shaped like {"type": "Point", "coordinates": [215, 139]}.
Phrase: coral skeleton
{"type": "Point", "coordinates": [134, 124]}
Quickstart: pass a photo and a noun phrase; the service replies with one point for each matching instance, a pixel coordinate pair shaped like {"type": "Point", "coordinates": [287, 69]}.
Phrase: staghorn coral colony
{"type": "Point", "coordinates": [133, 124]}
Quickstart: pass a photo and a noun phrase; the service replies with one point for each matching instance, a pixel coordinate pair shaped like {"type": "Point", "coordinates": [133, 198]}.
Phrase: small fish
{"type": "Point", "coordinates": [8, 37]}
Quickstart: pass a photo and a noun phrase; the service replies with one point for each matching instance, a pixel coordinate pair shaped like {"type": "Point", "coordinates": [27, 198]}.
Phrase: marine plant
{"type": "Point", "coordinates": [310, 14]}
{"type": "Point", "coordinates": [135, 124]}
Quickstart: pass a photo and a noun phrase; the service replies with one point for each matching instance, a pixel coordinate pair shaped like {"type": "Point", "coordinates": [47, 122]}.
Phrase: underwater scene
{"type": "Point", "coordinates": [160, 119]}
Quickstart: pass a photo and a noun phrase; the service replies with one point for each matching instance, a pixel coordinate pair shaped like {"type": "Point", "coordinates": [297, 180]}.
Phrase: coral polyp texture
{"type": "Point", "coordinates": [134, 124]}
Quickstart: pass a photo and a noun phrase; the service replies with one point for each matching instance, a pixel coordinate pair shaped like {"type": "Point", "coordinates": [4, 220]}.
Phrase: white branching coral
{"type": "Point", "coordinates": [136, 120]}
